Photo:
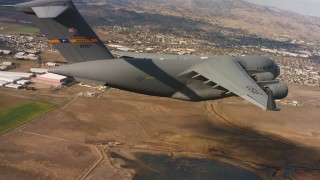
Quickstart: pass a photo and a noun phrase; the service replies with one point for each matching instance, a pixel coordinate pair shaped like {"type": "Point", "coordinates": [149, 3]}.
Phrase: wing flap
{"type": "Point", "coordinates": [229, 74]}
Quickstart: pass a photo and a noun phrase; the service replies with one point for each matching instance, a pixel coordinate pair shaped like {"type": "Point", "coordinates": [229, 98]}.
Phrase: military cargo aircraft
{"type": "Point", "coordinates": [191, 78]}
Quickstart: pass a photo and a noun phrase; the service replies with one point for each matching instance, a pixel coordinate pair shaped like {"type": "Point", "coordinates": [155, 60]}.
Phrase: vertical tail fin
{"type": "Point", "coordinates": [66, 29]}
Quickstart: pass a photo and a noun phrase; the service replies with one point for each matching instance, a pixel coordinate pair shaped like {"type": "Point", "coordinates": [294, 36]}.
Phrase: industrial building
{"type": "Point", "coordinates": [38, 70]}
{"type": "Point", "coordinates": [17, 74]}
{"type": "Point", "coordinates": [15, 80]}
{"type": "Point", "coordinates": [14, 86]}
{"type": "Point", "coordinates": [52, 79]}
{"type": "Point", "coordinates": [23, 82]}
{"type": "Point", "coordinates": [26, 56]}
{"type": "Point", "coordinates": [5, 52]}
{"type": "Point", "coordinates": [4, 66]}
{"type": "Point", "coordinates": [7, 63]}
{"type": "Point", "coordinates": [32, 51]}
{"type": "Point", "coordinates": [18, 80]}
{"type": "Point", "coordinates": [10, 79]}
{"type": "Point", "coordinates": [3, 83]}
{"type": "Point", "coordinates": [52, 64]}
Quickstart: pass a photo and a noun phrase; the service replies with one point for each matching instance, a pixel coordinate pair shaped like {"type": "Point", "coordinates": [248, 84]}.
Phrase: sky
{"type": "Point", "coordinates": [305, 7]}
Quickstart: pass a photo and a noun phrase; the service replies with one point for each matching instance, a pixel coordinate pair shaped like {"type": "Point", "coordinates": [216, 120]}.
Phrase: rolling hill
{"type": "Point", "coordinates": [246, 16]}
{"type": "Point", "coordinates": [239, 15]}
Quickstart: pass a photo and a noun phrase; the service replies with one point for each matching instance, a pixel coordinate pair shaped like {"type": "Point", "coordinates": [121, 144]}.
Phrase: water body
{"type": "Point", "coordinates": [288, 172]}
{"type": "Point", "coordinates": [165, 167]}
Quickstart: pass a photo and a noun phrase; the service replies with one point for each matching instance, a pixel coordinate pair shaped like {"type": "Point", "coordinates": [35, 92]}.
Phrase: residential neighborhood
{"type": "Point", "coordinates": [299, 60]}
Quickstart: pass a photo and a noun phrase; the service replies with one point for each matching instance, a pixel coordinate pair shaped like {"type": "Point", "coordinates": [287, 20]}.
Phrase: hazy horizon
{"type": "Point", "coordinates": [305, 7]}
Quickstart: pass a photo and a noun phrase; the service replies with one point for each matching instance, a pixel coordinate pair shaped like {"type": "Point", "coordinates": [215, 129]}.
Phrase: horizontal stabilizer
{"type": "Point", "coordinates": [66, 29]}
{"type": "Point", "coordinates": [49, 11]}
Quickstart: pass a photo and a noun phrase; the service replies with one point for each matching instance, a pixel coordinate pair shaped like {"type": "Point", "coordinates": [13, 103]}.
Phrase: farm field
{"type": "Point", "coordinates": [18, 112]}
{"type": "Point", "coordinates": [121, 135]}
{"type": "Point", "coordinates": [18, 28]}
{"type": "Point", "coordinates": [7, 102]}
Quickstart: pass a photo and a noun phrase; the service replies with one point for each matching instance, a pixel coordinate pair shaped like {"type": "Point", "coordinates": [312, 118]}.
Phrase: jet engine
{"type": "Point", "coordinates": [279, 90]}
{"type": "Point", "coordinates": [264, 76]}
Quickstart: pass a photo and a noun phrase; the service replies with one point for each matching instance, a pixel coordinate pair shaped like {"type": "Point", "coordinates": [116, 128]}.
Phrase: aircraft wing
{"type": "Point", "coordinates": [228, 73]}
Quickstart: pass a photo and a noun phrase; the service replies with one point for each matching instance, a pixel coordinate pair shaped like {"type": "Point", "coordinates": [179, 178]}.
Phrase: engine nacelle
{"type": "Point", "coordinates": [279, 90]}
{"type": "Point", "coordinates": [264, 76]}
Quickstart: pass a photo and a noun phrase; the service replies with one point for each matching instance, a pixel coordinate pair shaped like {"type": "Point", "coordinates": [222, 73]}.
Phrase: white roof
{"type": "Point", "coordinates": [13, 85]}
{"type": "Point", "coordinates": [9, 78]}
{"type": "Point", "coordinates": [23, 80]}
{"type": "Point", "coordinates": [53, 76]}
{"type": "Point", "coordinates": [7, 63]}
{"type": "Point", "coordinates": [5, 51]}
{"type": "Point", "coordinates": [38, 70]}
{"type": "Point", "coordinates": [3, 67]}
{"type": "Point", "coordinates": [32, 51]}
{"type": "Point", "coordinates": [16, 74]}
{"type": "Point", "coordinates": [2, 83]}
{"type": "Point", "coordinates": [20, 53]}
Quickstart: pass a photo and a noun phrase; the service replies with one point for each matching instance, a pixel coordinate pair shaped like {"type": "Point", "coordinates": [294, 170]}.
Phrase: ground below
{"type": "Point", "coordinates": [119, 134]}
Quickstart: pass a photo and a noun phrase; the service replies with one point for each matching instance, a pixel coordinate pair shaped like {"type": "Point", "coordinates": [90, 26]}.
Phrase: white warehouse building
{"type": "Point", "coordinates": [16, 74]}
{"type": "Point", "coordinates": [39, 70]}
{"type": "Point", "coordinates": [3, 83]}
{"type": "Point", "coordinates": [11, 79]}
{"type": "Point", "coordinates": [15, 80]}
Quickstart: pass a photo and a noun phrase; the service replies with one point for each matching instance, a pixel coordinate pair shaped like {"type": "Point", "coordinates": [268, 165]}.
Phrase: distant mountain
{"type": "Point", "coordinates": [229, 13]}
{"type": "Point", "coordinates": [11, 2]}
{"type": "Point", "coordinates": [306, 7]}
{"type": "Point", "coordinates": [234, 14]}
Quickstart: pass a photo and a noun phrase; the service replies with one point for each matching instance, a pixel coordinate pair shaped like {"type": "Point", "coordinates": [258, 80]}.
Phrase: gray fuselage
{"type": "Point", "coordinates": [161, 75]}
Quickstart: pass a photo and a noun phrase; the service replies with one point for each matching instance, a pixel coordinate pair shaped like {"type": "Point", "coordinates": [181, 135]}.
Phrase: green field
{"type": "Point", "coordinates": [17, 28]}
{"type": "Point", "coordinates": [26, 30]}
{"type": "Point", "coordinates": [20, 114]}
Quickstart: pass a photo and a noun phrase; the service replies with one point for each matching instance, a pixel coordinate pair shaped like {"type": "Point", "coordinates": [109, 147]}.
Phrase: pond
{"type": "Point", "coordinates": [166, 167]}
